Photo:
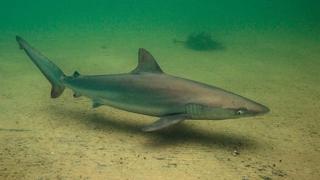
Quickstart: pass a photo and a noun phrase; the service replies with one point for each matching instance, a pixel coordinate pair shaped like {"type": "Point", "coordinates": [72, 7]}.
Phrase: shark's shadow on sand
{"type": "Point", "coordinates": [182, 133]}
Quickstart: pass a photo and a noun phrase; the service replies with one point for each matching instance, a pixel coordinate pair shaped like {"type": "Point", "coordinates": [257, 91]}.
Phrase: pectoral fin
{"type": "Point", "coordinates": [164, 122]}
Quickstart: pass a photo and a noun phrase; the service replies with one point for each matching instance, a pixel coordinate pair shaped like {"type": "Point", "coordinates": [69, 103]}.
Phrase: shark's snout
{"type": "Point", "coordinates": [265, 109]}
{"type": "Point", "coordinates": [259, 109]}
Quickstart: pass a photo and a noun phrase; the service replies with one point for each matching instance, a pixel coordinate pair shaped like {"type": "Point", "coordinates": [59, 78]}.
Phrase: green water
{"type": "Point", "coordinates": [271, 54]}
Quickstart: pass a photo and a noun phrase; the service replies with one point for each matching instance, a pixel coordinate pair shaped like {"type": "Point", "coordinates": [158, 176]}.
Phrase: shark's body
{"type": "Point", "coordinates": [147, 90]}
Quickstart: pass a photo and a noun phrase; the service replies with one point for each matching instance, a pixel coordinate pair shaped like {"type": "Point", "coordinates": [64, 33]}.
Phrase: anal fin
{"type": "Point", "coordinates": [96, 104]}
{"type": "Point", "coordinates": [164, 122]}
{"type": "Point", "coordinates": [76, 94]}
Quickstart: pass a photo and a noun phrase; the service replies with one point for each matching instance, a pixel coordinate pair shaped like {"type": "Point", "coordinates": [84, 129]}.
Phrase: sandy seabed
{"type": "Point", "coordinates": [64, 138]}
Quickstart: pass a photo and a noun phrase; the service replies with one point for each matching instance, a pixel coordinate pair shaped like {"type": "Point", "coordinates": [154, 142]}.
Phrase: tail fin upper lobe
{"type": "Point", "coordinates": [51, 71]}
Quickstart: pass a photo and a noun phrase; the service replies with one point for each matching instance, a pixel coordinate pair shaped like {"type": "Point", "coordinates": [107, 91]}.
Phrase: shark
{"type": "Point", "coordinates": [148, 90]}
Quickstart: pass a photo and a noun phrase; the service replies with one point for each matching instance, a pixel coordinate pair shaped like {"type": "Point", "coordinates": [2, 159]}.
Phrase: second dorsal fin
{"type": "Point", "coordinates": [146, 63]}
{"type": "Point", "coordinates": [76, 74]}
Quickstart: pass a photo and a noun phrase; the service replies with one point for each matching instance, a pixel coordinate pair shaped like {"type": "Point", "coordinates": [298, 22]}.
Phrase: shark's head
{"type": "Point", "coordinates": [243, 107]}
{"type": "Point", "coordinates": [248, 109]}
{"type": "Point", "coordinates": [229, 107]}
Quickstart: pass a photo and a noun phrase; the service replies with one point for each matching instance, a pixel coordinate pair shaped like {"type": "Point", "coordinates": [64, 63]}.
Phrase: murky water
{"type": "Point", "coordinates": [271, 54]}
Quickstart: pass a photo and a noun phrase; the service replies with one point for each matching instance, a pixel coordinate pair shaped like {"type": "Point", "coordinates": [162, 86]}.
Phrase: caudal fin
{"type": "Point", "coordinates": [51, 71]}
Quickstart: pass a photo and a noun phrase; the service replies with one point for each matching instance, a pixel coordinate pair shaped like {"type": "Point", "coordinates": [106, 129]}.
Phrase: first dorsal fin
{"type": "Point", "coordinates": [146, 63]}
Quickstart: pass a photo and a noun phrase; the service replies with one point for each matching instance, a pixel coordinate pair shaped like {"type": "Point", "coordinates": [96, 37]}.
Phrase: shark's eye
{"type": "Point", "coordinates": [240, 112]}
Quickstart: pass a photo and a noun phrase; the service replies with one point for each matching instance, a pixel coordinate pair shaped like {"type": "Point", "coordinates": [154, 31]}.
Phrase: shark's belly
{"type": "Point", "coordinates": [143, 102]}
{"type": "Point", "coordinates": [153, 109]}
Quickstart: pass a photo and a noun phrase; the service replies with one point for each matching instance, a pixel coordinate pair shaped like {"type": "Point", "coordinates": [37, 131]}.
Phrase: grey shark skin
{"type": "Point", "coordinates": [148, 90]}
